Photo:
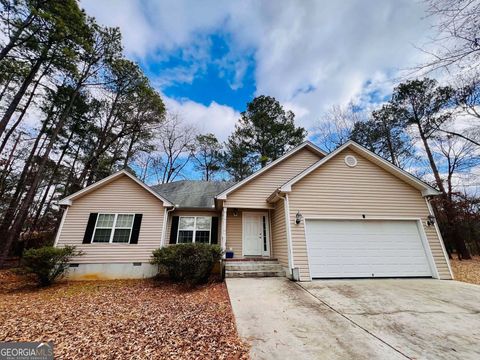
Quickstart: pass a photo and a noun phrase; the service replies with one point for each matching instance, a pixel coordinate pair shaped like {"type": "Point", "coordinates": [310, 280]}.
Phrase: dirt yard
{"type": "Point", "coordinates": [134, 319]}
{"type": "Point", "coordinates": [467, 270]}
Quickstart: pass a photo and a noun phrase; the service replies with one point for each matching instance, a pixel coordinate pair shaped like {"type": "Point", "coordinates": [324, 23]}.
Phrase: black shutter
{"type": "Point", "coordinates": [137, 221]}
{"type": "Point", "coordinates": [92, 219]}
{"type": "Point", "coordinates": [214, 230]}
{"type": "Point", "coordinates": [174, 230]}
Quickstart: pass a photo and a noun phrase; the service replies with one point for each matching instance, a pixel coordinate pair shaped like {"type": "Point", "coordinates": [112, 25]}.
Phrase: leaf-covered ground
{"type": "Point", "coordinates": [130, 319]}
{"type": "Point", "coordinates": [466, 270]}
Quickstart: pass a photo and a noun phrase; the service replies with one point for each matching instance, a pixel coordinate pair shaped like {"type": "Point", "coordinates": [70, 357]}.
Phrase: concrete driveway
{"type": "Point", "coordinates": [357, 319]}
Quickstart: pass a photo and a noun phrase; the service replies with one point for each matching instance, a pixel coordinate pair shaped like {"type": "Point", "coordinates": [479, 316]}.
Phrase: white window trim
{"type": "Point", "coordinates": [114, 226]}
{"type": "Point", "coordinates": [195, 229]}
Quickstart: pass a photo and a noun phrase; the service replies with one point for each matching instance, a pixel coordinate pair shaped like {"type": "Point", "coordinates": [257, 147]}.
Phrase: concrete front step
{"type": "Point", "coordinates": [253, 267]}
{"type": "Point", "coordinates": [253, 273]}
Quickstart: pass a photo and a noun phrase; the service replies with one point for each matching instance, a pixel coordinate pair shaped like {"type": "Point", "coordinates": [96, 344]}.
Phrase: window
{"type": "Point", "coordinates": [194, 229]}
{"type": "Point", "coordinates": [113, 228]}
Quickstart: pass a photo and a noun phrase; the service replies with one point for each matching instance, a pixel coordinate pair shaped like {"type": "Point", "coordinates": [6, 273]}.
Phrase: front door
{"type": "Point", "coordinates": [255, 234]}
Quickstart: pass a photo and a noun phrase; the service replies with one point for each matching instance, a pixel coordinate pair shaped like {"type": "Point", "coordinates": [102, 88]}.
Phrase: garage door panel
{"type": "Point", "coordinates": [372, 259]}
{"type": "Point", "coordinates": [340, 248]}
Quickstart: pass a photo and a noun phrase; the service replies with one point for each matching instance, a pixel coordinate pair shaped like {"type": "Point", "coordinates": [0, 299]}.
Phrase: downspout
{"type": "Point", "coordinates": [164, 227]}
{"type": "Point", "coordinates": [291, 264]}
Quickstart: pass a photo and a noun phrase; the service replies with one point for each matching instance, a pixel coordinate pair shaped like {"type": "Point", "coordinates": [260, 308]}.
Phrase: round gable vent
{"type": "Point", "coordinates": [351, 160]}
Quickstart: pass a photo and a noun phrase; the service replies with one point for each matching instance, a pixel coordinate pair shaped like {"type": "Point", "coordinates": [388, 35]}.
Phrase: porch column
{"type": "Point", "coordinates": [224, 229]}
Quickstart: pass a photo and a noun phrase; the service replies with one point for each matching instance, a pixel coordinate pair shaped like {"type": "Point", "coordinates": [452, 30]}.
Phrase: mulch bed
{"type": "Point", "coordinates": [467, 270]}
{"type": "Point", "coordinates": [124, 319]}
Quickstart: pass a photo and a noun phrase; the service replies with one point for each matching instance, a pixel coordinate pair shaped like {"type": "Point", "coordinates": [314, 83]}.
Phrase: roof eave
{"type": "Point", "coordinates": [193, 208]}
{"type": "Point", "coordinates": [430, 192]}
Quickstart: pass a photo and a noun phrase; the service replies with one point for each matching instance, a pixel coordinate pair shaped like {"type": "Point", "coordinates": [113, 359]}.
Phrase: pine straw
{"type": "Point", "coordinates": [467, 270]}
{"type": "Point", "coordinates": [134, 319]}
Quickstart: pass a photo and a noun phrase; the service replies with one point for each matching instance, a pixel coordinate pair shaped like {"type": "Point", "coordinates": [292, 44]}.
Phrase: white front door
{"type": "Point", "coordinates": [255, 234]}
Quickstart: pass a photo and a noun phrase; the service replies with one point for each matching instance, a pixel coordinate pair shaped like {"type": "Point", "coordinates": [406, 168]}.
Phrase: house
{"type": "Point", "coordinates": [346, 214]}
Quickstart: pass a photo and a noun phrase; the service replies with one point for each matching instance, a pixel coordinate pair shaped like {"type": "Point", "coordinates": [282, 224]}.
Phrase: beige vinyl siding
{"type": "Point", "coordinates": [334, 189]}
{"type": "Point", "coordinates": [234, 233]}
{"type": "Point", "coordinates": [122, 195]}
{"type": "Point", "coordinates": [279, 234]}
{"type": "Point", "coordinates": [254, 193]}
{"type": "Point", "coordinates": [189, 213]}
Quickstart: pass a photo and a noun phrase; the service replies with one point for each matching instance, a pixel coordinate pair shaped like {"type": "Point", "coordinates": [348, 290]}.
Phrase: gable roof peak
{"type": "Point", "coordinates": [425, 188]}
{"type": "Point", "coordinates": [305, 144]}
{"type": "Point", "coordinates": [69, 199]}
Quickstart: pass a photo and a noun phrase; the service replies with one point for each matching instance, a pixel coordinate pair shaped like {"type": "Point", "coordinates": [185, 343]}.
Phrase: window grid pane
{"type": "Point", "coordinates": [105, 220]}
{"type": "Point", "coordinates": [186, 223]}
{"type": "Point", "coordinates": [102, 235]}
{"type": "Point", "coordinates": [124, 221]}
{"type": "Point", "coordinates": [202, 236]}
{"type": "Point", "coordinates": [185, 236]}
{"type": "Point", "coordinates": [203, 223]}
{"type": "Point", "coordinates": [121, 236]}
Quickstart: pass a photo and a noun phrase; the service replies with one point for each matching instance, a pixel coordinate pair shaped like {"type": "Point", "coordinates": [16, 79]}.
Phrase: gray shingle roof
{"type": "Point", "coordinates": [192, 193]}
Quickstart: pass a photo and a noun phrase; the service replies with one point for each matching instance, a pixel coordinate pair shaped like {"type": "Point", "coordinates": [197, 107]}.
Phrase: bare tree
{"type": "Point", "coordinates": [335, 127]}
{"type": "Point", "coordinates": [460, 156]}
{"type": "Point", "coordinates": [457, 39]}
{"type": "Point", "coordinates": [207, 156]}
{"type": "Point", "coordinates": [176, 140]}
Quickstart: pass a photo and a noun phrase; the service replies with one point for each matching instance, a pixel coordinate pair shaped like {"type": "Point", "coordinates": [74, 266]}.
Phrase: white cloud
{"type": "Point", "coordinates": [308, 54]}
{"type": "Point", "coordinates": [316, 54]}
{"type": "Point", "coordinates": [214, 118]}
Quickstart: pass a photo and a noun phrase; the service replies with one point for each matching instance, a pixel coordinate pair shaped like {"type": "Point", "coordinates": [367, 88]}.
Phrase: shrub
{"type": "Point", "coordinates": [48, 263]}
{"type": "Point", "coordinates": [188, 263]}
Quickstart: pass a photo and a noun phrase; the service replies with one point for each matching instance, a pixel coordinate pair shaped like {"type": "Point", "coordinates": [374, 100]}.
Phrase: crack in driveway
{"type": "Point", "coordinates": [353, 322]}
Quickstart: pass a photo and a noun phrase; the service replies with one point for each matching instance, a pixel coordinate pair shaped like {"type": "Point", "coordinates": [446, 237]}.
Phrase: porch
{"type": "Point", "coordinates": [246, 234]}
{"type": "Point", "coordinates": [253, 242]}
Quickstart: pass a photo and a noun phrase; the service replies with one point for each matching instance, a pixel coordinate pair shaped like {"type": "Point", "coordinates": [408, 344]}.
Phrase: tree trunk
{"type": "Point", "coordinates": [21, 184]}
{"type": "Point", "coordinates": [449, 207]}
{"type": "Point", "coordinates": [51, 180]}
{"type": "Point", "coordinates": [21, 91]}
{"type": "Point", "coordinates": [129, 151]}
{"type": "Point", "coordinates": [71, 173]}
{"type": "Point", "coordinates": [91, 163]}
{"type": "Point", "coordinates": [22, 114]}
{"type": "Point", "coordinates": [16, 35]}
{"type": "Point", "coordinates": [431, 161]}
{"type": "Point", "coordinates": [6, 167]}
{"type": "Point", "coordinates": [5, 88]}
{"type": "Point", "coordinates": [16, 227]}
{"type": "Point", "coordinates": [391, 150]}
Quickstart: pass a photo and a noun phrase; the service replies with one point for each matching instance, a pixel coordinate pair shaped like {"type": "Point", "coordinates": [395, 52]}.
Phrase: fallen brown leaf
{"type": "Point", "coordinates": [123, 319]}
{"type": "Point", "coordinates": [467, 270]}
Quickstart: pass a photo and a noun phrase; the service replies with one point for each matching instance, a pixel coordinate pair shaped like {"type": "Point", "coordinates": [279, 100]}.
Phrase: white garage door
{"type": "Point", "coordinates": [368, 248]}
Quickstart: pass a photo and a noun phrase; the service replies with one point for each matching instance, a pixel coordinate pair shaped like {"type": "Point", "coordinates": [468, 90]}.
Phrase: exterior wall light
{"type": "Point", "coordinates": [430, 220]}
{"type": "Point", "coordinates": [235, 212]}
{"type": "Point", "coordinates": [298, 217]}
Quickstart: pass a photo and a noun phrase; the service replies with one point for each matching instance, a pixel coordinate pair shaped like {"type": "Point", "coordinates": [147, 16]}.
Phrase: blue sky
{"type": "Point", "coordinates": [209, 58]}
{"type": "Point", "coordinates": [213, 83]}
